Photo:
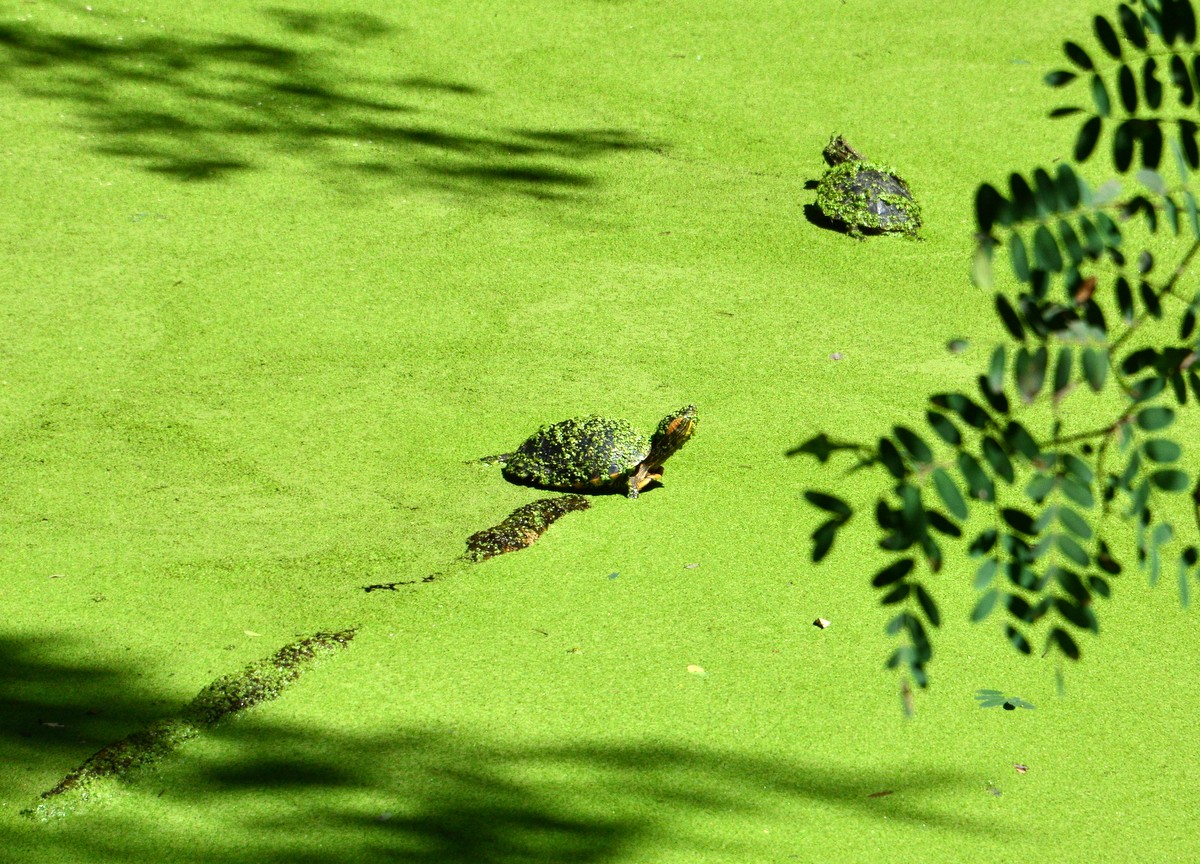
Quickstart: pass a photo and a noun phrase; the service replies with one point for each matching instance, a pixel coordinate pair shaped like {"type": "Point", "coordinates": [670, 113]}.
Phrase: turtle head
{"type": "Point", "coordinates": [673, 432]}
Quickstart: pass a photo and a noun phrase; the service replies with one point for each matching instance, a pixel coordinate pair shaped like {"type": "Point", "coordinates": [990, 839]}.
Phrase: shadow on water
{"type": "Point", "coordinates": [303, 796]}
{"type": "Point", "coordinates": [56, 713]}
{"type": "Point", "coordinates": [199, 107]}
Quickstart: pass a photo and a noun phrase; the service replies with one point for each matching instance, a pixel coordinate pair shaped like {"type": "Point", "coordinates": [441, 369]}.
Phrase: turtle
{"type": "Point", "coordinates": [597, 453]}
{"type": "Point", "coordinates": [863, 196]}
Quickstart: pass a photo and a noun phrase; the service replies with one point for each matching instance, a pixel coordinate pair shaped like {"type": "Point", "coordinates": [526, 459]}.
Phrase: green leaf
{"type": "Point", "coordinates": [1103, 103]}
{"type": "Point", "coordinates": [1075, 523]}
{"type": "Point", "coordinates": [1132, 26]}
{"type": "Point", "coordinates": [1065, 643]}
{"type": "Point", "coordinates": [1018, 257]}
{"type": "Point", "coordinates": [928, 606]}
{"type": "Point", "coordinates": [1078, 56]}
{"type": "Point", "coordinates": [1155, 418]}
{"type": "Point", "coordinates": [1070, 242]}
{"type": "Point", "coordinates": [1046, 192]}
{"type": "Point", "coordinates": [942, 524]}
{"type": "Point", "coordinates": [997, 458]}
{"type": "Point", "coordinates": [948, 491]}
{"type": "Point", "coordinates": [1162, 450]}
{"type": "Point", "coordinates": [1031, 372]}
{"type": "Point", "coordinates": [1170, 480]}
{"type": "Point", "coordinates": [1125, 299]}
{"type": "Point", "coordinates": [1152, 180]}
{"type": "Point", "coordinates": [1045, 251]}
{"type": "Point", "coordinates": [1011, 321]}
{"type": "Point", "coordinates": [985, 574]}
{"type": "Point", "coordinates": [1040, 485]}
{"type": "Point", "coordinates": [1093, 243]}
{"type": "Point", "coordinates": [985, 605]}
{"type": "Point", "coordinates": [1078, 614]}
{"type": "Point", "coordinates": [1107, 36]}
{"type": "Point", "coordinates": [829, 503]}
{"type": "Point", "coordinates": [1023, 203]}
{"type": "Point", "coordinates": [983, 543]}
{"type": "Point", "coordinates": [1172, 211]}
{"type": "Point", "coordinates": [991, 208]}
{"type": "Point", "coordinates": [1072, 550]}
{"type": "Point", "coordinates": [914, 444]}
{"type": "Point", "coordinates": [982, 275]}
{"type": "Point", "coordinates": [1070, 187]}
{"type": "Point", "coordinates": [996, 370]}
{"type": "Point", "coordinates": [1059, 78]}
{"type": "Point", "coordinates": [1078, 492]}
{"type": "Point", "coordinates": [1150, 299]}
{"type": "Point", "coordinates": [1076, 467]}
{"type": "Point", "coordinates": [1089, 132]}
{"type": "Point", "coordinates": [897, 595]}
{"type": "Point", "coordinates": [978, 482]}
{"type": "Point", "coordinates": [1189, 206]}
{"type": "Point", "coordinates": [1062, 371]}
{"type": "Point", "coordinates": [1072, 584]}
{"type": "Point", "coordinates": [1095, 367]}
{"type": "Point", "coordinates": [1021, 441]}
{"type": "Point", "coordinates": [944, 428]}
{"type": "Point", "coordinates": [893, 573]}
{"type": "Point", "coordinates": [1018, 520]}
{"type": "Point", "coordinates": [970, 411]}
{"type": "Point", "coordinates": [1125, 481]}
{"type": "Point", "coordinates": [1017, 639]}
{"type": "Point", "coordinates": [891, 459]}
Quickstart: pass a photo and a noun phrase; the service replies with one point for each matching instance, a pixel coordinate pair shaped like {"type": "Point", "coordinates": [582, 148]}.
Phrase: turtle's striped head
{"type": "Point", "coordinates": [673, 432]}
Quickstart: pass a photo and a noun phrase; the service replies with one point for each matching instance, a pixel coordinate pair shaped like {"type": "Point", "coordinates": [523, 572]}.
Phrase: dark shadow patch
{"type": "Point", "coordinates": [438, 85]}
{"type": "Point", "coordinates": [816, 216]}
{"type": "Point", "coordinates": [203, 108]}
{"type": "Point", "coordinates": [419, 796]}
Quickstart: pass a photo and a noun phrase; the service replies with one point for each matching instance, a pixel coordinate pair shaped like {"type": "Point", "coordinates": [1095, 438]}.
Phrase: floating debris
{"type": "Point", "coordinates": [836, 355]}
{"type": "Point", "coordinates": [822, 623]}
{"type": "Point", "coordinates": [1021, 769]}
{"type": "Point", "coordinates": [882, 794]}
{"type": "Point", "coordinates": [261, 681]}
{"type": "Point", "coordinates": [522, 527]}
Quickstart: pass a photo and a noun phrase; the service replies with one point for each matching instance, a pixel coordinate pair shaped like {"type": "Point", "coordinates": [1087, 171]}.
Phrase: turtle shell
{"type": "Point", "coordinates": [865, 196]}
{"type": "Point", "coordinates": [578, 453]}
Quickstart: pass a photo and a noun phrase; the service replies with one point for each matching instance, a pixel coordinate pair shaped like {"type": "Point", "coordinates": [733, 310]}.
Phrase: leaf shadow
{"type": "Point", "coordinates": [201, 107]}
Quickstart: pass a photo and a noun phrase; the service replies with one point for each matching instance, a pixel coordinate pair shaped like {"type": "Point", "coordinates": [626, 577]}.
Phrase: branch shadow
{"type": "Point", "coordinates": [417, 796]}
{"type": "Point", "coordinates": [202, 107]}
{"type": "Point", "coordinates": [55, 712]}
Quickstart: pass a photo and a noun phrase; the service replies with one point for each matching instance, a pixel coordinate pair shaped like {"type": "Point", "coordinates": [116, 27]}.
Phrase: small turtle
{"type": "Point", "coordinates": [863, 196]}
{"type": "Point", "coordinates": [595, 453]}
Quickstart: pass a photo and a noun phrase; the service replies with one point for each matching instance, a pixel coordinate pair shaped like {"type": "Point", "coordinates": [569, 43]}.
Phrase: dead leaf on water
{"type": "Point", "coordinates": [252, 634]}
{"type": "Point", "coordinates": [1021, 769]}
{"type": "Point", "coordinates": [882, 794]}
{"type": "Point", "coordinates": [696, 670]}
{"type": "Point", "coordinates": [690, 566]}
{"type": "Point", "coordinates": [822, 623]}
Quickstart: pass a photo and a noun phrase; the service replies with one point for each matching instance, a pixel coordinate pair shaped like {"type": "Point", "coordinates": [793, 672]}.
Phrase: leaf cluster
{"type": "Point", "coordinates": [1027, 494]}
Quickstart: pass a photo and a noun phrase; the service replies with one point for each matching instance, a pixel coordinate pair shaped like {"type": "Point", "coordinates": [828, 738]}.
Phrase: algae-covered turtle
{"type": "Point", "coordinates": [596, 453]}
{"type": "Point", "coordinates": [864, 196]}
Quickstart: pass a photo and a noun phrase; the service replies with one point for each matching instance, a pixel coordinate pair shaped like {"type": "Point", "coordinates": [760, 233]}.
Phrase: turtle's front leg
{"type": "Point", "coordinates": [633, 486]}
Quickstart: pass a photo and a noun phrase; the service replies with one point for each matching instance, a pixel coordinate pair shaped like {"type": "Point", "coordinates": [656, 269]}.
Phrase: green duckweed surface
{"type": "Point", "coordinates": [273, 273]}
